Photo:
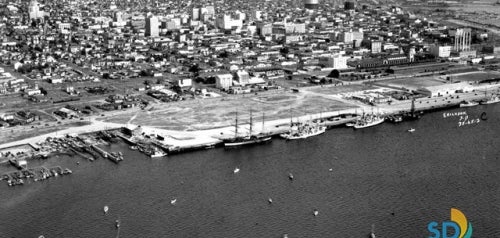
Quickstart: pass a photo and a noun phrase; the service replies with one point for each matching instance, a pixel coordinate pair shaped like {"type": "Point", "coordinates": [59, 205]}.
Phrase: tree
{"type": "Point", "coordinates": [284, 50]}
{"type": "Point", "coordinates": [224, 54]}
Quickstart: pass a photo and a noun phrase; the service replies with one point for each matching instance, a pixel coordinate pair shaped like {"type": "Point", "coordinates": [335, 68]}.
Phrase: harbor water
{"type": "Point", "coordinates": [383, 176]}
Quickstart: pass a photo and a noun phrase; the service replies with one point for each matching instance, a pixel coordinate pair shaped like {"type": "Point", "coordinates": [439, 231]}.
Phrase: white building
{"type": "Point", "coordinates": [34, 10]}
{"type": "Point", "coordinates": [195, 15]}
{"type": "Point", "coordinates": [445, 89]}
{"type": "Point", "coordinates": [64, 28]}
{"type": "Point", "coordinates": [226, 22]}
{"type": "Point", "coordinates": [152, 27]}
{"type": "Point", "coordinates": [185, 83]}
{"type": "Point", "coordinates": [334, 61]}
{"type": "Point", "coordinates": [352, 37]}
{"type": "Point", "coordinates": [440, 51]}
{"type": "Point", "coordinates": [224, 81]}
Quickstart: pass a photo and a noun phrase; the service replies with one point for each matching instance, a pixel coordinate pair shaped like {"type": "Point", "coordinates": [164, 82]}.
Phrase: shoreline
{"type": "Point", "coordinates": [199, 138]}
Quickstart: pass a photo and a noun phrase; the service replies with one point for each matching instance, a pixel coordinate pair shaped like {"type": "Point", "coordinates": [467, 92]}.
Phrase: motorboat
{"type": "Point", "coordinates": [290, 176]}
{"type": "Point", "coordinates": [236, 170]}
{"type": "Point", "coordinates": [468, 104]}
{"type": "Point", "coordinates": [106, 208]}
{"type": "Point", "coordinates": [411, 130]}
{"type": "Point", "coordinates": [270, 200]}
{"type": "Point", "coordinates": [173, 201]}
{"type": "Point", "coordinates": [315, 212]}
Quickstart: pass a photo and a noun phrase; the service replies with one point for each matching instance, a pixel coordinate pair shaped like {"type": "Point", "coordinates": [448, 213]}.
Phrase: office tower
{"type": "Point", "coordinates": [152, 27]}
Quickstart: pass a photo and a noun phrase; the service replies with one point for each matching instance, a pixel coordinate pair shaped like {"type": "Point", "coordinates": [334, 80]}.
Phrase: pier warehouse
{"type": "Point", "coordinates": [445, 89]}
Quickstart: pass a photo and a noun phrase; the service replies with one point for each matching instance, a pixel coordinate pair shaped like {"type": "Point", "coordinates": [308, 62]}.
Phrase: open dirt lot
{"type": "Point", "coordinates": [220, 112]}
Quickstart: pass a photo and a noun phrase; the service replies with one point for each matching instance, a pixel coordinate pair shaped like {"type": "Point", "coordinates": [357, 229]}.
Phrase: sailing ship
{"type": "Point", "coordinates": [249, 139]}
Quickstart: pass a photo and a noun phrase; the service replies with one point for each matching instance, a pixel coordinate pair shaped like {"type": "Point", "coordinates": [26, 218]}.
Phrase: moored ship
{"type": "Point", "coordinates": [468, 104]}
{"type": "Point", "coordinates": [303, 130]}
{"type": "Point", "coordinates": [249, 139]}
{"type": "Point", "coordinates": [493, 99]}
{"type": "Point", "coordinates": [368, 121]}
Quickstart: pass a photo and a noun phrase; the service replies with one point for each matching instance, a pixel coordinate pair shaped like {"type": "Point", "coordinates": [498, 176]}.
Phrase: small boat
{"type": "Point", "coordinates": [106, 208]}
{"type": "Point", "coordinates": [331, 170]}
{"type": "Point", "coordinates": [270, 200]}
{"type": "Point", "coordinates": [350, 124]}
{"type": "Point", "coordinates": [173, 201]}
{"type": "Point", "coordinates": [315, 212]}
{"type": "Point", "coordinates": [285, 235]}
{"type": "Point", "coordinates": [492, 100]}
{"type": "Point", "coordinates": [236, 170]}
{"type": "Point", "coordinates": [290, 176]}
{"type": "Point", "coordinates": [117, 224]}
{"type": "Point", "coordinates": [411, 130]}
{"type": "Point", "coordinates": [468, 104]}
{"type": "Point", "coordinates": [372, 233]}
{"type": "Point", "coordinates": [133, 147]}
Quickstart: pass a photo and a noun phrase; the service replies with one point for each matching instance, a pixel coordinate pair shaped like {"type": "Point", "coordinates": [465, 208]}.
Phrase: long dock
{"type": "Point", "coordinates": [105, 154]}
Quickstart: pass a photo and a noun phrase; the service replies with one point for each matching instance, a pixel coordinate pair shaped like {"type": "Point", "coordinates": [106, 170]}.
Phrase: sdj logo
{"type": "Point", "coordinates": [461, 227]}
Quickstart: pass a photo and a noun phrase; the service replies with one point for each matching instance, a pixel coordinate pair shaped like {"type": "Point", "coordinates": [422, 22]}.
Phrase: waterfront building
{"type": "Point", "coordinates": [445, 89]}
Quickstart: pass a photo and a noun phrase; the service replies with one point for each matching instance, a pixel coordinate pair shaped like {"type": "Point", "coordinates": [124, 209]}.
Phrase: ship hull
{"type": "Point", "coordinates": [374, 123]}
{"type": "Point", "coordinates": [304, 136]}
{"type": "Point", "coordinates": [247, 142]}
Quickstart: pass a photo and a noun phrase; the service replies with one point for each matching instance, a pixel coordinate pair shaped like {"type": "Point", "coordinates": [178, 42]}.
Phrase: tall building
{"type": "Point", "coordinates": [227, 22]}
{"type": "Point", "coordinates": [311, 4]}
{"type": "Point", "coordinates": [34, 10]}
{"type": "Point", "coordinates": [440, 51]}
{"type": "Point", "coordinates": [334, 61]}
{"type": "Point", "coordinates": [152, 27]}
{"type": "Point", "coordinates": [352, 37]}
{"type": "Point", "coordinates": [118, 16]}
{"type": "Point", "coordinates": [462, 39]}
{"type": "Point", "coordinates": [376, 47]}
{"type": "Point", "coordinates": [195, 15]}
